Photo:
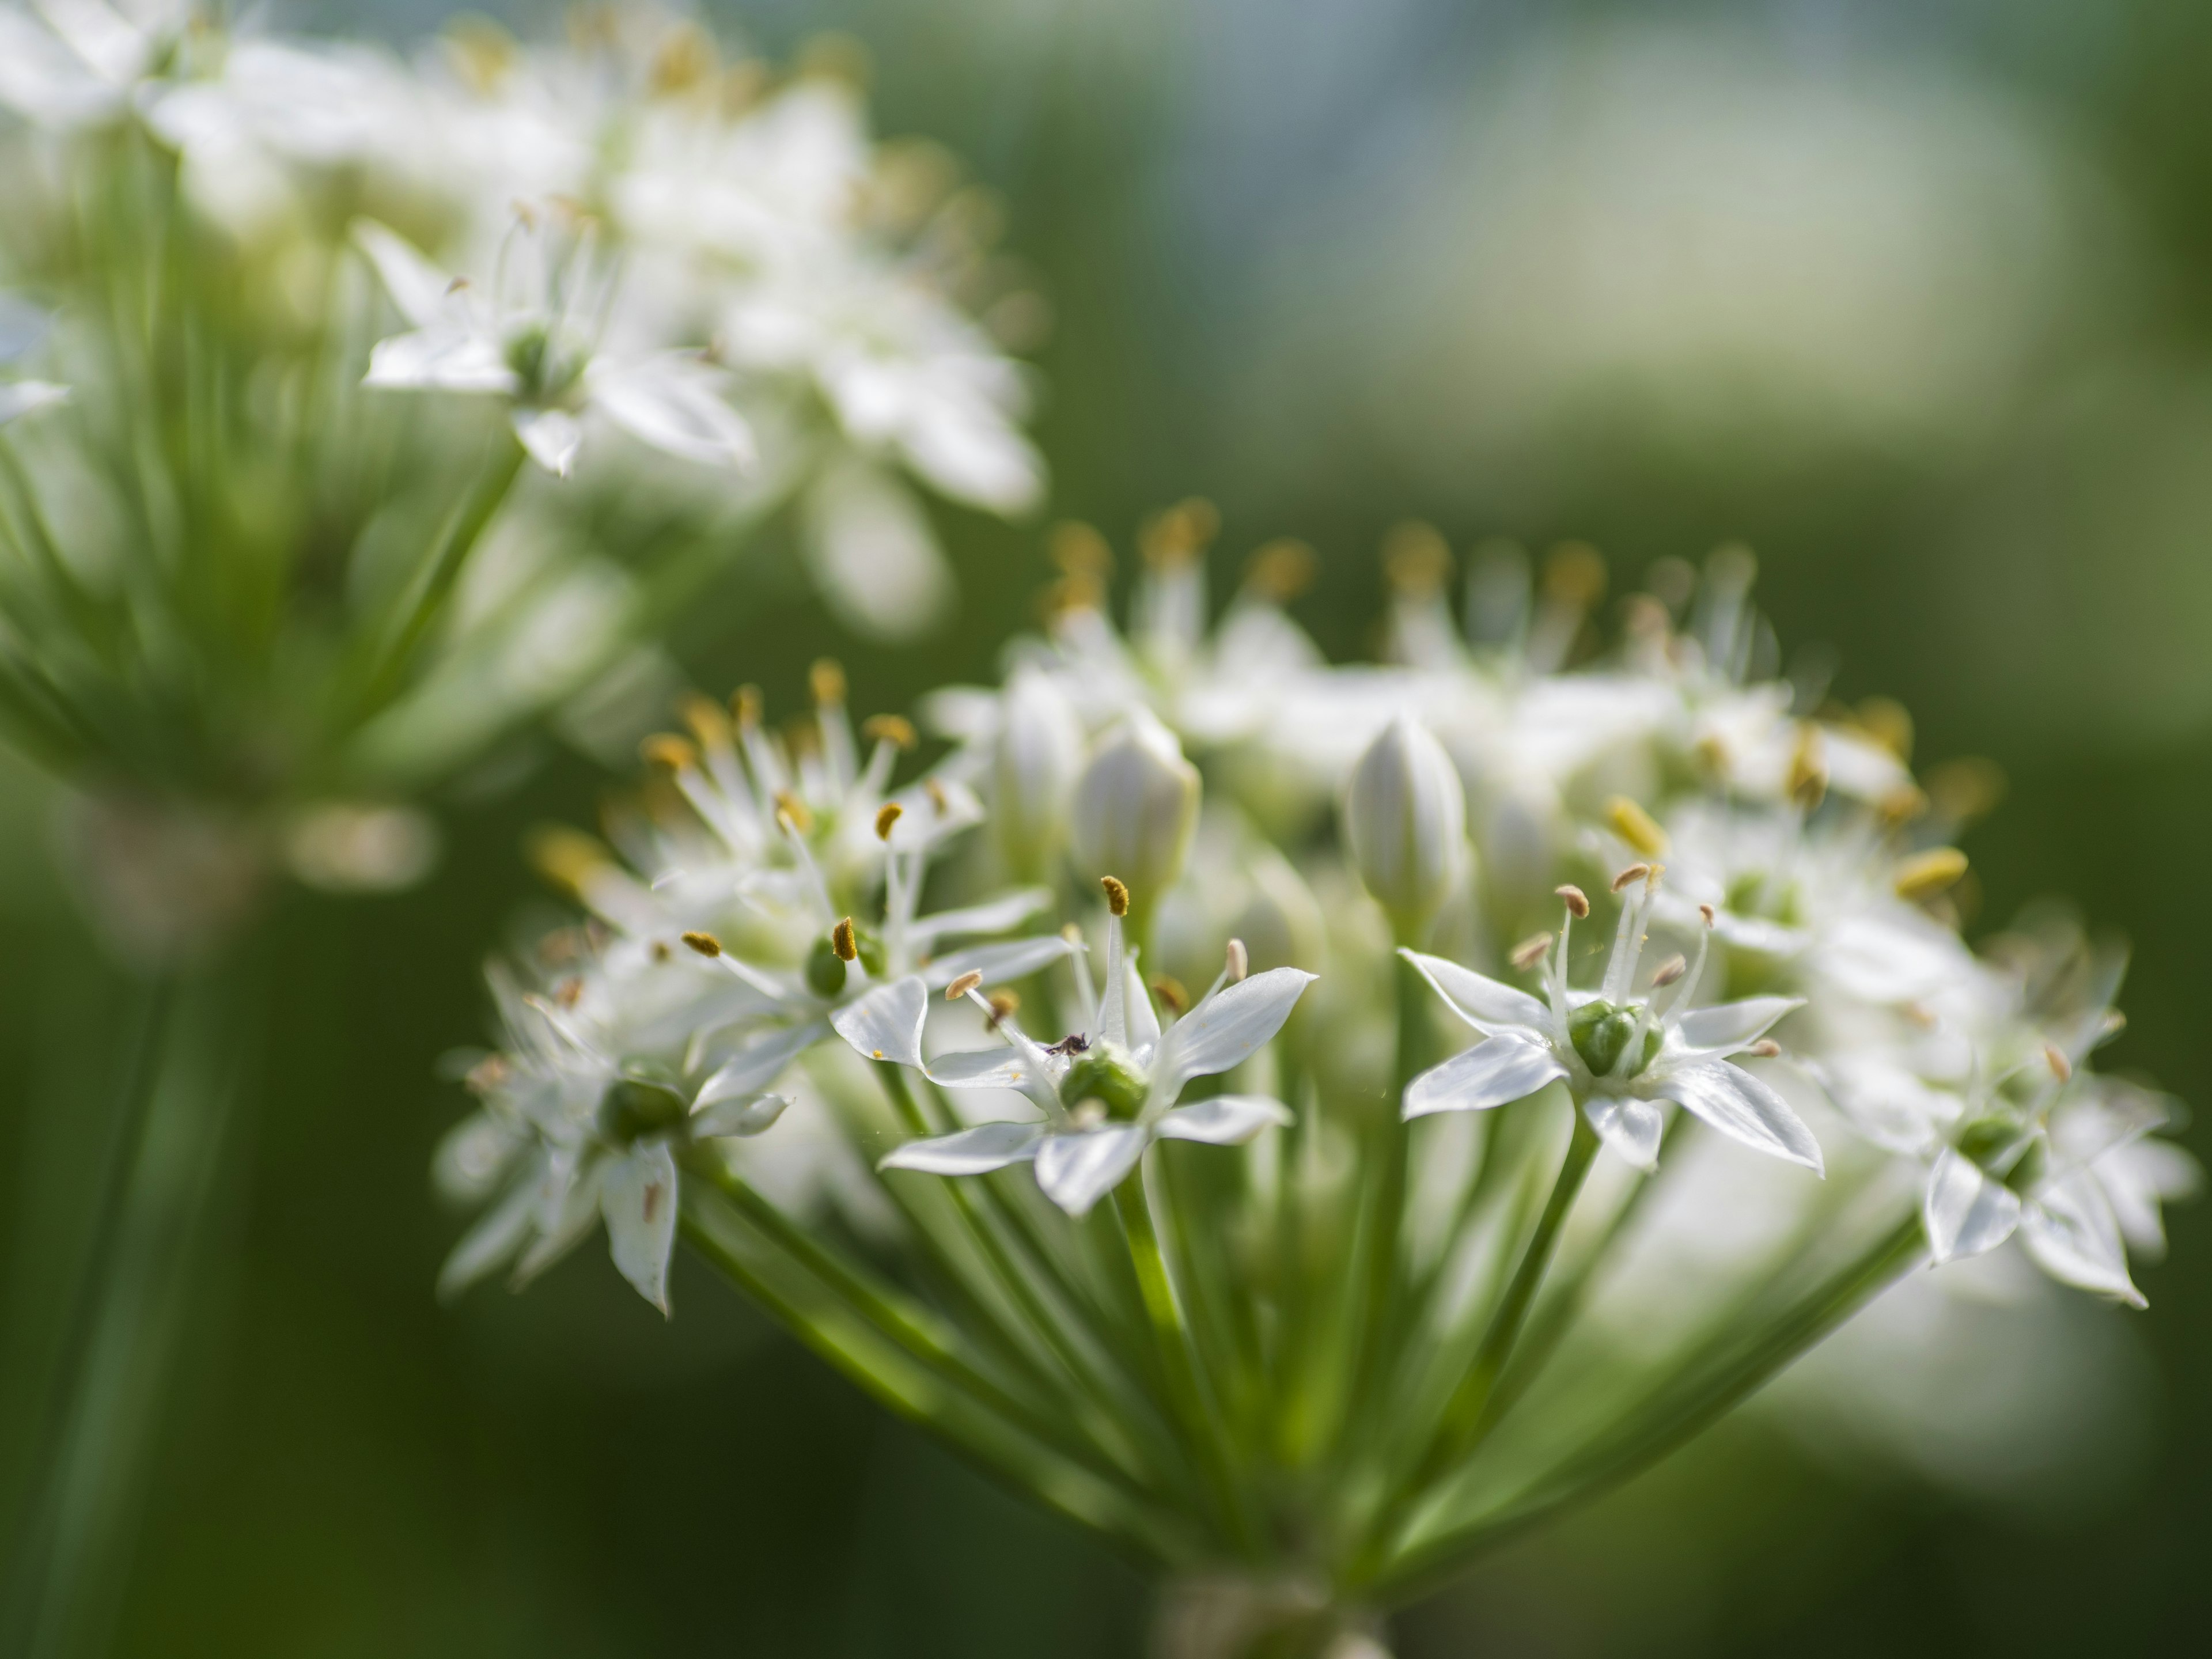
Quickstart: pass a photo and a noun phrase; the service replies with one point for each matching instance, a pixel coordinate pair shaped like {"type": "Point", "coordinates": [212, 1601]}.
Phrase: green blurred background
{"type": "Point", "coordinates": [1915, 298]}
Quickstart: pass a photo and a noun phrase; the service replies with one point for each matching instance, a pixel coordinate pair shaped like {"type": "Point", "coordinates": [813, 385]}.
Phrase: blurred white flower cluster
{"type": "Point", "coordinates": [293, 314]}
{"type": "Point", "coordinates": [1590, 1012]}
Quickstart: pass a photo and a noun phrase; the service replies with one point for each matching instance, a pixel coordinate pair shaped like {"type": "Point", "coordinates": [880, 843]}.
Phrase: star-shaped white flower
{"type": "Point", "coordinates": [1619, 1055]}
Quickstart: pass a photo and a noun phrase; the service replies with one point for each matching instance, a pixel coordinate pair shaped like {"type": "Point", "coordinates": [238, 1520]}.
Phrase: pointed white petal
{"type": "Point", "coordinates": [1229, 1027]}
{"type": "Point", "coordinates": [1728, 1026]}
{"type": "Point", "coordinates": [1740, 1106]}
{"type": "Point", "coordinates": [20, 398]}
{"type": "Point", "coordinates": [2069, 1230]}
{"type": "Point", "coordinates": [1964, 1211]}
{"type": "Point", "coordinates": [885, 1023]}
{"type": "Point", "coordinates": [1630, 1126]}
{"type": "Point", "coordinates": [973, 455]}
{"type": "Point", "coordinates": [1141, 1025]}
{"type": "Point", "coordinates": [1223, 1120]}
{"type": "Point", "coordinates": [1481, 1001]}
{"type": "Point", "coordinates": [418, 288]}
{"type": "Point", "coordinates": [674, 404]}
{"type": "Point", "coordinates": [551, 436]}
{"type": "Point", "coordinates": [1078, 1167]}
{"type": "Point", "coordinates": [978, 1151]}
{"type": "Point", "coordinates": [488, 1245]}
{"type": "Point", "coordinates": [1494, 1072]}
{"type": "Point", "coordinates": [981, 1068]}
{"type": "Point", "coordinates": [758, 1064]}
{"type": "Point", "coordinates": [874, 554]}
{"type": "Point", "coordinates": [2140, 1177]}
{"type": "Point", "coordinates": [997, 963]}
{"type": "Point", "coordinates": [567, 1204]}
{"type": "Point", "coordinates": [638, 1198]}
{"type": "Point", "coordinates": [737, 1115]}
{"type": "Point", "coordinates": [444, 357]}
{"type": "Point", "coordinates": [992, 916]}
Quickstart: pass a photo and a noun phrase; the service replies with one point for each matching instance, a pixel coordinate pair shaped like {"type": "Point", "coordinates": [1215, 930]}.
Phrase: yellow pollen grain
{"type": "Point", "coordinates": [843, 940]}
{"type": "Point", "coordinates": [705, 943]}
{"type": "Point", "coordinates": [889, 814]}
{"type": "Point", "coordinates": [1117, 895]}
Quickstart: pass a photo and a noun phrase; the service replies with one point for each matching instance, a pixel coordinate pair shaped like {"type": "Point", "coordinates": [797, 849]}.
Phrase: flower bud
{"type": "Point", "coordinates": [1135, 806]}
{"type": "Point", "coordinates": [1405, 822]}
{"type": "Point", "coordinates": [1033, 770]}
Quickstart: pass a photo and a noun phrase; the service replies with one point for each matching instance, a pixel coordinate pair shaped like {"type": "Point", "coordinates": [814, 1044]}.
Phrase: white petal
{"type": "Point", "coordinates": [2137, 1178]}
{"type": "Point", "coordinates": [738, 1115]}
{"type": "Point", "coordinates": [1632, 1128]}
{"type": "Point", "coordinates": [638, 1198]}
{"type": "Point", "coordinates": [1964, 1211]}
{"type": "Point", "coordinates": [980, 1068]}
{"type": "Point", "coordinates": [1740, 1106]}
{"type": "Point", "coordinates": [758, 1065]}
{"type": "Point", "coordinates": [1078, 1167]}
{"type": "Point", "coordinates": [551, 436]}
{"type": "Point", "coordinates": [976, 457]}
{"type": "Point", "coordinates": [1494, 1072]}
{"type": "Point", "coordinates": [1141, 1021]}
{"type": "Point", "coordinates": [978, 1151]}
{"type": "Point", "coordinates": [1728, 1026]}
{"type": "Point", "coordinates": [444, 357]}
{"type": "Point", "coordinates": [885, 1023]}
{"type": "Point", "coordinates": [1223, 1120]}
{"type": "Point", "coordinates": [1480, 1000]}
{"type": "Point", "coordinates": [992, 916]}
{"type": "Point", "coordinates": [497, 1234]}
{"type": "Point", "coordinates": [418, 288]}
{"type": "Point", "coordinates": [997, 963]}
{"type": "Point", "coordinates": [874, 554]}
{"type": "Point", "coordinates": [567, 1203]}
{"type": "Point", "coordinates": [674, 404]}
{"type": "Point", "coordinates": [20, 398]}
{"type": "Point", "coordinates": [2069, 1230]}
{"type": "Point", "coordinates": [1229, 1027]}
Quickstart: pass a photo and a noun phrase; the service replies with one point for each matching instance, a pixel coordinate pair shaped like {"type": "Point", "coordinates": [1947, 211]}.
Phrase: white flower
{"type": "Point", "coordinates": [1136, 806]}
{"type": "Point", "coordinates": [535, 341]}
{"type": "Point", "coordinates": [1619, 1054]}
{"type": "Point", "coordinates": [1405, 824]}
{"type": "Point", "coordinates": [1107, 1092]}
{"type": "Point", "coordinates": [1034, 760]}
{"type": "Point", "coordinates": [78, 62]}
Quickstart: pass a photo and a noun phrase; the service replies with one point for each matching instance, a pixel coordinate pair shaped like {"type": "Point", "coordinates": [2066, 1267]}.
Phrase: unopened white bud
{"type": "Point", "coordinates": [1405, 822]}
{"type": "Point", "coordinates": [1033, 769]}
{"type": "Point", "coordinates": [1135, 806]}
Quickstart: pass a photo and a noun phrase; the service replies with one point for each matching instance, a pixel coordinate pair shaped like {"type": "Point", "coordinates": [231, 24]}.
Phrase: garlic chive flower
{"type": "Point", "coordinates": [1136, 806]}
{"type": "Point", "coordinates": [536, 339]}
{"type": "Point", "coordinates": [1405, 822]}
{"type": "Point", "coordinates": [1620, 1054]}
{"type": "Point", "coordinates": [1106, 1092]}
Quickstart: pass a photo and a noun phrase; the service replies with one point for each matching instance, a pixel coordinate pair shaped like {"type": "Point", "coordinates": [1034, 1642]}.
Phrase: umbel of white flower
{"type": "Point", "coordinates": [1579, 1118]}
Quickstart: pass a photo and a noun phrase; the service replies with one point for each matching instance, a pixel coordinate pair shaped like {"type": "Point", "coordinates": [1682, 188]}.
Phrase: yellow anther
{"type": "Point", "coordinates": [793, 812]}
{"type": "Point", "coordinates": [1926, 874]}
{"type": "Point", "coordinates": [1764, 1048]}
{"type": "Point", "coordinates": [1707, 913]}
{"type": "Point", "coordinates": [1003, 1003]}
{"type": "Point", "coordinates": [1170, 990]}
{"type": "Point", "coordinates": [1238, 962]}
{"type": "Point", "coordinates": [1416, 560]}
{"type": "Point", "coordinates": [889, 814]}
{"type": "Point", "coordinates": [666, 749]}
{"type": "Point", "coordinates": [961, 987]}
{"type": "Point", "coordinates": [745, 708]}
{"type": "Point", "coordinates": [935, 791]}
{"type": "Point", "coordinates": [1179, 534]}
{"type": "Point", "coordinates": [2060, 1067]}
{"type": "Point", "coordinates": [705, 943]}
{"type": "Point", "coordinates": [1577, 901]}
{"type": "Point", "coordinates": [709, 721]}
{"type": "Point", "coordinates": [1574, 575]}
{"type": "Point", "coordinates": [844, 941]}
{"type": "Point", "coordinates": [1808, 782]}
{"type": "Point", "coordinates": [1635, 826]}
{"type": "Point", "coordinates": [1889, 723]}
{"type": "Point", "coordinates": [1117, 895]}
{"type": "Point", "coordinates": [1280, 570]}
{"type": "Point", "coordinates": [1669, 970]}
{"type": "Point", "coordinates": [894, 729]}
{"type": "Point", "coordinates": [1965, 789]}
{"type": "Point", "coordinates": [1529, 951]}
{"type": "Point", "coordinates": [566, 857]}
{"type": "Point", "coordinates": [1079, 551]}
{"type": "Point", "coordinates": [826, 680]}
{"type": "Point", "coordinates": [1632, 874]}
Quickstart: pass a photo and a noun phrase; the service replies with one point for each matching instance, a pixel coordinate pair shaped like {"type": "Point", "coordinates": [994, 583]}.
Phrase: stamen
{"type": "Point", "coordinates": [705, 943]}
{"type": "Point", "coordinates": [2060, 1067]}
{"type": "Point", "coordinates": [1003, 1003]}
{"type": "Point", "coordinates": [890, 814]}
{"type": "Point", "coordinates": [745, 707]}
{"type": "Point", "coordinates": [935, 791]}
{"type": "Point", "coordinates": [1281, 571]}
{"type": "Point", "coordinates": [1117, 895]}
{"type": "Point", "coordinates": [1634, 873]}
{"type": "Point", "coordinates": [1170, 992]}
{"type": "Point", "coordinates": [708, 724]}
{"type": "Point", "coordinates": [844, 941]}
{"type": "Point", "coordinates": [1926, 874]}
{"type": "Point", "coordinates": [1577, 901]}
{"type": "Point", "coordinates": [1079, 965]}
{"type": "Point", "coordinates": [1529, 951]}
{"type": "Point", "coordinates": [1807, 781]}
{"type": "Point", "coordinates": [2112, 1025]}
{"type": "Point", "coordinates": [1635, 826]}
{"type": "Point", "coordinates": [793, 812]}
{"type": "Point", "coordinates": [961, 987]}
{"type": "Point", "coordinates": [1239, 963]}
{"type": "Point", "coordinates": [1764, 1048]}
{"type": "Point", "coordinates": [826, 680]}
{"type": "Point", "coordinates": [566, 858]}
{"type": "Point", "coordinates": [1705, 911]}
{"type": "Point", "coordinates": [889, 728]}
{"type": "Point", "coordinates": [666, 749]}
{"type": "Point", "coordinates": [1669, 970]}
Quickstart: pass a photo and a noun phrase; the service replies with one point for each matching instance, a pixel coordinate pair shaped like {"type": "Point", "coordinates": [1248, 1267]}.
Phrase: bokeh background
{"type": "Point", "coordinates": [1914, 296]}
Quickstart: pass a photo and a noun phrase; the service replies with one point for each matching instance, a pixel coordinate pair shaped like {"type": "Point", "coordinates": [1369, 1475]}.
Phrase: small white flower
{"type": "Point", "coordinates": [1136, 806]}
{"type": "Point", "coordinates": [536, 342]}
{"type": "Point", "coordinates": [1405, 825]}
{"type": "Point", "coordinates": [1107, 1092]}
{"type": "Point", "coordinates": [1619, 1054]}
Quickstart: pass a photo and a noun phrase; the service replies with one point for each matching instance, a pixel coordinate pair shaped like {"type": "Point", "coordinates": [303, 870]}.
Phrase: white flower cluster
{"type": "Point", "coordinates": [626, 226]}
